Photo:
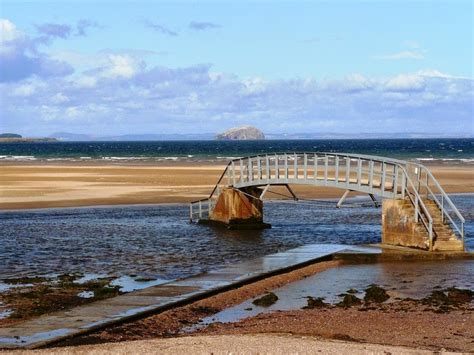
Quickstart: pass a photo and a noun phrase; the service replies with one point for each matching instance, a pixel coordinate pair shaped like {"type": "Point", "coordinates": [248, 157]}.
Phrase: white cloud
{"type": "Point", "coordinates": [84, 81]}
{"type": "Point", "coordinates": [126, 96]}
{"type": "Point", "coordinates": [254, 85]}
{"type": "Point", "coordinates": [24, 90]}
{"type": "Point", "coordinates": [401, 55]}
{"type": "Point", "coordinates": [21, 58]}
{"type": "Point", "coordinates": [406, 82]}
{"type": "Point", "coordinates": [59, 98]}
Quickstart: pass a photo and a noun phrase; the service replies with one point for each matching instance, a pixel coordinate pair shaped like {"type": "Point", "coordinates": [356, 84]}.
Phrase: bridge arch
{"type": "Point", "coordinates": [391, 179]}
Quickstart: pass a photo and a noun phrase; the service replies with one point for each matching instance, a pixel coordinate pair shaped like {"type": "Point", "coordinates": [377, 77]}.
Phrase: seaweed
{"type": "Point", "coordinates": [375, 293]}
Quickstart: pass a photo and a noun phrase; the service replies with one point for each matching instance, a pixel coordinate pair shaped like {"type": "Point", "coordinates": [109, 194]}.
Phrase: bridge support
{"type": "Point", "coordinates": [239, 209]}
{"type": "Point", "coordinates": [399, 226]}
{"type": "Point", "coordinates": [342, 199]}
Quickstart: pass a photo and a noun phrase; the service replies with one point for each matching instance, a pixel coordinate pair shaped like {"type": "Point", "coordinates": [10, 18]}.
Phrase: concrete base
{"type": "Point", "coordinates": [239, 209]}
{"type": "Point", "coordinates": [399, 226]}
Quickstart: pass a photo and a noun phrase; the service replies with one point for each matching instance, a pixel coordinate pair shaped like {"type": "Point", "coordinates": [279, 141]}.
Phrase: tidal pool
{"type": "Point", "coordinates": [414, 280]}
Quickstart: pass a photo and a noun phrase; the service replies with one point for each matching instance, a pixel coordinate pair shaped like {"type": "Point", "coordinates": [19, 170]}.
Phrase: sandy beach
{"type": "Point", "coordinates": [65, 185]}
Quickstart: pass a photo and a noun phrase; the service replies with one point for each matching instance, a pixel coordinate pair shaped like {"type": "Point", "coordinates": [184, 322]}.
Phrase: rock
{"type": "Point", "coordinates": [266, 301]}
{"type": "Point", "coordinates": [460, 295]}
{"type": "Point", "coordinates": [436, 298]}
{"type": "Point", "coordinates": [315, 303]}
{"type": "Point", "coordinates": [241, 133]}
{"type": "Point", "coordinates": [376, 294]}
{"type": "Point", "coordinates": [349, 301]}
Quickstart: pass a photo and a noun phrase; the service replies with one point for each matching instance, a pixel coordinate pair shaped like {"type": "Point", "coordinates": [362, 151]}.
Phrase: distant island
{"type": "Point", "coordinates": [14, 137]}
{"type": "Point", "coordinates": [241, 133]}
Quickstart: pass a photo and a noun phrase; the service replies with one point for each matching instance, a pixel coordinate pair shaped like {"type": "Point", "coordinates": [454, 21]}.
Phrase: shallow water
{"type": "Point", "coordinates": [157, 241]}
{"type": "Point", "coordinates": [400, 279]}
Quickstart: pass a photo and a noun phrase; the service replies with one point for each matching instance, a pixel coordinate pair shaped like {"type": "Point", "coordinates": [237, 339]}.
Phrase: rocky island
{"type": "Point", "coordinates": [241, 133]}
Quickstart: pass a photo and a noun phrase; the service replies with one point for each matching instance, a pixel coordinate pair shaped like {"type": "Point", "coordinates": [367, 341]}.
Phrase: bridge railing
{"type": "Point", "coordinates": [372, 175]}
{"type": "Point", "coordinates": [430, 188]}
{"type": "Point", "coordinates": [385, 177]}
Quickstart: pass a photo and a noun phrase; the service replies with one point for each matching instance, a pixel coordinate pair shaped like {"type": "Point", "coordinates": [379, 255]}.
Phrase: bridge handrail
{"type": "Point", "coordinates": [444, 198]}
{"type": "Point", "coordinates": [362, 156]}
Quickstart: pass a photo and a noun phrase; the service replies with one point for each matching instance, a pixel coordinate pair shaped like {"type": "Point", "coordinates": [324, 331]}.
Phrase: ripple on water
{"type": "Point", "coordinates": [158, 242]}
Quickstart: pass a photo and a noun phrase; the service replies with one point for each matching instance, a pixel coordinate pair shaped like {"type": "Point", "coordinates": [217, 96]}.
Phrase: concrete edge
{"type": "Point", "coordinates": [193, 298]}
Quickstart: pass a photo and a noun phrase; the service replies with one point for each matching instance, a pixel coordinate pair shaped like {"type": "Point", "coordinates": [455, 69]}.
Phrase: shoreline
{"type": "Point", "coordinates": [385, 324]}
{"type": "Point", "coordinates": [52, 185]}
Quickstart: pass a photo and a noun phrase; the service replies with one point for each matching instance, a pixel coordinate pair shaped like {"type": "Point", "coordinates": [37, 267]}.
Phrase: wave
{"type": "Point", "coordinates": [463, 160]}
{"type": "Point", "coordinates": [188, 158]}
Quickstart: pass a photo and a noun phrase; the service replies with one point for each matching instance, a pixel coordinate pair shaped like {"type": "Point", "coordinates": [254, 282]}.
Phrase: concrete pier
{"type": "Point", "coordinates": [239, 209]}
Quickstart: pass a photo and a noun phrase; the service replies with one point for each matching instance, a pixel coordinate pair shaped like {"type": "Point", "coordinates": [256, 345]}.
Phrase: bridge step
{"type": "Point", "coordinates": [448, 245]}
{"type": "Point", "coordinates": [444, 237]}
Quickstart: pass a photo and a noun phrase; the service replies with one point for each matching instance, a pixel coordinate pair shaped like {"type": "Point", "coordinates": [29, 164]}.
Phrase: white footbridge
{"type": "Point", "coordinates": [377, 176]}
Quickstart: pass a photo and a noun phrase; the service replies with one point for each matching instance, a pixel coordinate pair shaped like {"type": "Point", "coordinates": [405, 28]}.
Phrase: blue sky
{"type": "Point", "coordinates": [189, 67]}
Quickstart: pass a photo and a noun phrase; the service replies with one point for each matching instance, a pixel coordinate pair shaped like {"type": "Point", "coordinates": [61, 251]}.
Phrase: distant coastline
{"type": "Point", "coordinates": [27, 140]}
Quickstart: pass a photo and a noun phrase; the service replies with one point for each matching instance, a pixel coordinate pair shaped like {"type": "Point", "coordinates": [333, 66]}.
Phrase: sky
{"type": "Point", "coordinates": [153, 67]}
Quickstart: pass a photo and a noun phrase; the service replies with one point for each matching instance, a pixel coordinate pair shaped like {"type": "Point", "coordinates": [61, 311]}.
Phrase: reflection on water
{"type": "Point", "coordinates": [157, 242]}
{"type": "Point", "coordinates": [400, 279]}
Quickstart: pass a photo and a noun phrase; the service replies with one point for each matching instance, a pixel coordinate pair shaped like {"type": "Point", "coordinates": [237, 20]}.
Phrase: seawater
{"type": "Point", "coordinates": [158, 241]}
{"type": "Point", "coordinates": [444, 150]}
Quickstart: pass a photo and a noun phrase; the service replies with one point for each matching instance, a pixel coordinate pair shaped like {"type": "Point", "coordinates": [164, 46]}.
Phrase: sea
{"type": "Point", "coordinates": [150, 152]}
{"type": "Point", "coordinates": [159, 243]}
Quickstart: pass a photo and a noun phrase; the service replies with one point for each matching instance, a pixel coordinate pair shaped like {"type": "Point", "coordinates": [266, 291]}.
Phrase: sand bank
{"type": "Point", "coordinates": [67, 185]}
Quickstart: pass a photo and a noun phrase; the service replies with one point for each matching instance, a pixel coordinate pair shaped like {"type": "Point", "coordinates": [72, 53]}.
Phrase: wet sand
{"type": "Point", "coordinates": [66, 185]}
{"type": "Point", "coordinates": [425, 324]}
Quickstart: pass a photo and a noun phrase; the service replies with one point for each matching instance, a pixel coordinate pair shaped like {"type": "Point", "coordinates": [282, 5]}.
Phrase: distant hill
{"type": "Point", "coordinates": [235, 134]}
{"type": "Point", "coordinates": [10, 135]}
{"type": "Point", "coordinates": [66, 136]}
{"type": "Point", "coordinates": [241, 133]}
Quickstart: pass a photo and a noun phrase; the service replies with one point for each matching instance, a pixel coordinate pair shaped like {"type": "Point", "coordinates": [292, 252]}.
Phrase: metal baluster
{"type": "Point", "coordinates": [277, 168]}
{"type": "Point", "coordinates": [336, 174]}
{"type": "Point", "coordinates": [315, 167]}
{"type": "Point", "coordinates": [359, 172]}
{"type": "Point", "coordinates": [326, 163]}
{"type": "Point", "coordinates": [427, 180]}
{"type": "Point", "coordinates": [259, 168]}
{"type": "Point", "coordinates": [382, 181]}
{"type": "Point", "coordinates": [404, 184]}
{"type": "Point", "coordinates": [241, 171]}
{"type": "Point", "coordinates": [371, 175]}
{"type": "Point", "coordinates": [395, 181]}
{"type": "Point", "coordinates": [348, 171]}
{"type": "Point", "coordinates": [295, 166]}
{"type": "Point", "coordinates": [305, 168]}
{"type": "Point", "coordinates": [267, 167]}
{"type": "Point", "coordinates": [286, 166]}
{"type": "Point", "coordinates": [250, 170]}
{"type": "Point", "coordinates": [233, 173]}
